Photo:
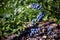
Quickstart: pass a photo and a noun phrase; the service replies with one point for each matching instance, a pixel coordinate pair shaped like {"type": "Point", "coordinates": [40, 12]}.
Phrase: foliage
{"type": "Point", "coordinates": [13, 13]}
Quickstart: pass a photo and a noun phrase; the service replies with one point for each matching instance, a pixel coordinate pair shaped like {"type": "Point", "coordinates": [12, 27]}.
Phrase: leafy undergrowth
{"type": "Point", "coordinates": [45, 30]}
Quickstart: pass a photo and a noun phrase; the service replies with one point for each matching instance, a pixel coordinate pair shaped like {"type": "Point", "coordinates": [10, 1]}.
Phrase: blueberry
{"type": "Point", "coordinates": [50, 33]}
{"type": "Point", "coordinates": [33, 5]}
{"type": "Point", "coordinates": [40, 16]}
{"type": "Point", "coordinates": [50, 29]}
{"type": "Point", "coordinates": [33, 21]}
{"type": "Point", "coordinates": [36, 6]}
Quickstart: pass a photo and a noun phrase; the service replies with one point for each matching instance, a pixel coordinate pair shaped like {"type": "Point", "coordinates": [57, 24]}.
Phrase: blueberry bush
{"type": "Point", "coordinates": [14, 13]}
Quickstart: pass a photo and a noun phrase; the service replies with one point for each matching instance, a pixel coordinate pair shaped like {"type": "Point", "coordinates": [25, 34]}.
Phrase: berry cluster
{"type": "Point", "coordinates": [40, 16]}
{"type": "Point", "coordinates": [34, 31]}
{"type": "Point", "coordinates": [36, 6]}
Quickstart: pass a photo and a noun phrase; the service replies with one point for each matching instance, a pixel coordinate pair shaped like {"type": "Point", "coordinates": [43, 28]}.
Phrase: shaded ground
{"type": "Point", "coordinates": [43, 34]}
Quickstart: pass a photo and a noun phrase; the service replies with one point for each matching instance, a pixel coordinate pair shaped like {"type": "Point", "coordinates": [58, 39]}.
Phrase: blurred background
{"type": "Point", "coordinates": [14, 13]}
